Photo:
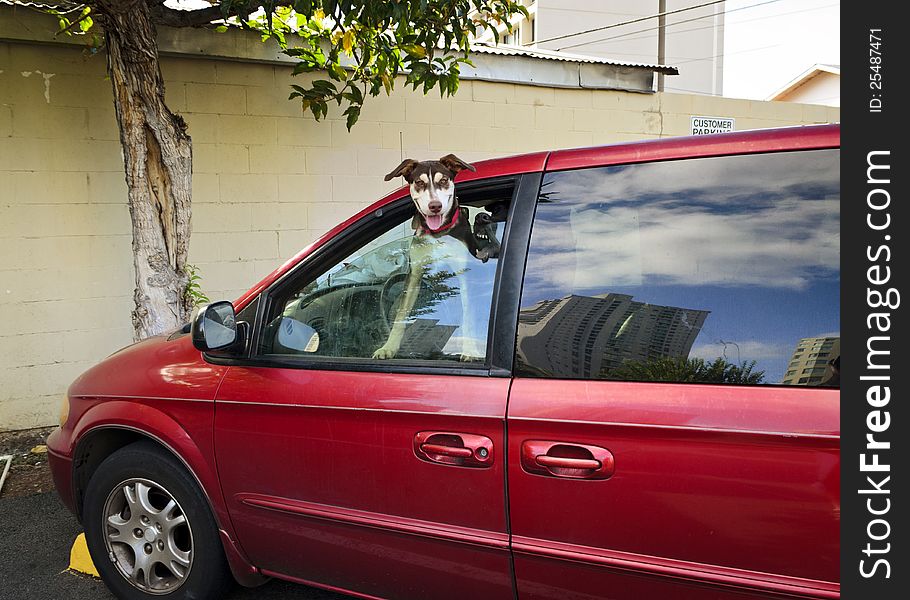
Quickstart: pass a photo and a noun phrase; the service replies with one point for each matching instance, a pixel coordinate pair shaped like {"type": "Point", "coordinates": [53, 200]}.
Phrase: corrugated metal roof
{"type": "Point", "coordinates": [507, 50]}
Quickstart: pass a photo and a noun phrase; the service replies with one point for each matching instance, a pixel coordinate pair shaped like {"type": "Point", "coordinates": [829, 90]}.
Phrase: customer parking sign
{"type": "Point", "coordinates": [707, 125]}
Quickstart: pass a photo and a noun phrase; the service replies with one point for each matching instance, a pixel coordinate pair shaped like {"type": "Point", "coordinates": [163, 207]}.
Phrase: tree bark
{"type": "Point", "coordinates": [158, 162]}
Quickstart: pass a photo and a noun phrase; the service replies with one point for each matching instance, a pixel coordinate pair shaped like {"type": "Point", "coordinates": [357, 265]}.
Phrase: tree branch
{"type": "Point", "coordinates": [162, 15]}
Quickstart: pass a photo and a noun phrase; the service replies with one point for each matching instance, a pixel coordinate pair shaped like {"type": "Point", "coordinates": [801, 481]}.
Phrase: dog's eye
{"type": "Point", "coordinates": [444, 181]}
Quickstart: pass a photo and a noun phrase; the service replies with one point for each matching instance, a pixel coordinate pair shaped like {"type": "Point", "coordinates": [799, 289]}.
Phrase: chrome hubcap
{"type": "Point", "coordinates": [147, 536]}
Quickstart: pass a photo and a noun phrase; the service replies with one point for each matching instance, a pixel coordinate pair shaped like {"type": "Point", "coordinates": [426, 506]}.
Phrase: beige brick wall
{"type": "Point", "coordinates": [268, 180]}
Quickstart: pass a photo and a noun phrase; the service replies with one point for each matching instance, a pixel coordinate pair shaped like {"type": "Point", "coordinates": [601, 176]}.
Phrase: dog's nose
{"type": "Point", "coordinates": [435, 206]}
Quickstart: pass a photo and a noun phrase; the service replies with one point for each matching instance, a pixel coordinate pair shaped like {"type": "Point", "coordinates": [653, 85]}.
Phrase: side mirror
{"type": "Point", "coordinates": [214, 326]}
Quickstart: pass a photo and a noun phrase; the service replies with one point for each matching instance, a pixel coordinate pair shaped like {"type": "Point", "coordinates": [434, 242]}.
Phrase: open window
{"type": "Point", "coordinates": [332, 310]}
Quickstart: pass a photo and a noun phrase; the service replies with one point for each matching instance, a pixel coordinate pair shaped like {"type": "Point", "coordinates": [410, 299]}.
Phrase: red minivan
{"type": "Point", "coordinates": [637, 397]}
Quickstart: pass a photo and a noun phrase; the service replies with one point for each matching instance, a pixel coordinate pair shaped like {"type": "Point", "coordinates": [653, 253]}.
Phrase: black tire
{"type": "Point", "coordinates": [149, 529]}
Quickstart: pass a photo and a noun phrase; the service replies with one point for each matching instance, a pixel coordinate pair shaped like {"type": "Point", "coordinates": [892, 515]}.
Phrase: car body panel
{"type": "Point", "coordinates": [157, 367]}
{"type": "Point", "coordinates": [744, 142]}
{"type": "Point", "coordinates": [715, 484]}
{"type": "Point", "coordinates": [61, 465]}
{"type": "Point", "coordinates": [323, 483]}
{"type": "Point", "coordinates": [163, 390]}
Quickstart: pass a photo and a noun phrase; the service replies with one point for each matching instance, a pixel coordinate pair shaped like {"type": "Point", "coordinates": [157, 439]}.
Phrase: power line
{"type": "Point", "coordinates": [671, 12]}
{"type": "Point", "coordinates": [723, 25]}
{"type": "Point", "coordinates": [622, 35]}
{"type": "Point", "coordinates": [746, 51]}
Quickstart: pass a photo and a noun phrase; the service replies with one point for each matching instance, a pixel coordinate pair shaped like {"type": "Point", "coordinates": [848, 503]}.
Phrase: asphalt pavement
{"type": "Point", "coordinates": [36, 534]}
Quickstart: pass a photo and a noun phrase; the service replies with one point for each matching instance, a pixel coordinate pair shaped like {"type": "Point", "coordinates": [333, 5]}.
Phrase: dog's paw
{"type": "Point", "coordinates": [384, 353]}
{"type": "Point", "coordinates": [469, 358]}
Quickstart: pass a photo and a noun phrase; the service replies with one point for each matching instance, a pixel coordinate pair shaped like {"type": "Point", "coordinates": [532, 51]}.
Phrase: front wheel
{"type": "Point", "coordinates": [149, 528]}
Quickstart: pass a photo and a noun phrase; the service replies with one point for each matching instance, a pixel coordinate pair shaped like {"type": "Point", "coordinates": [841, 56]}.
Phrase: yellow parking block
{"type": "Point", "coordinates": [80, 560]}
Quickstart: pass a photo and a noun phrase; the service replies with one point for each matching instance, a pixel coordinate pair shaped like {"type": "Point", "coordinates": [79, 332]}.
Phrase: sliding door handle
{"type": "Point", "coordinates": [566, 460]}
{"type": "Point", "coordinates": [568, 463]}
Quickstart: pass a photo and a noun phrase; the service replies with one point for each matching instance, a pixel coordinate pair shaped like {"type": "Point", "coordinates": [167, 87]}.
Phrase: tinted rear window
{"type": "Point", "coordinates": [712, 270]}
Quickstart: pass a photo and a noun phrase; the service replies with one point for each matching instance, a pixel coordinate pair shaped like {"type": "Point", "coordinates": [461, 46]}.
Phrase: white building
{"type": "Point", "coordinates": [627, 30]}
{"type": "Point", "coordinates": [819, 84]}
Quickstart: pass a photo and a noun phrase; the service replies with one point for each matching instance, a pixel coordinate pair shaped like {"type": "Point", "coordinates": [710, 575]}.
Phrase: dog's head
{"type": "Point", "coordinates": [432, 187]}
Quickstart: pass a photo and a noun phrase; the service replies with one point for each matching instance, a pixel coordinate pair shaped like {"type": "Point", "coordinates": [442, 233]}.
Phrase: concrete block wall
{"type": "Point", "coordinates": [268, 180]}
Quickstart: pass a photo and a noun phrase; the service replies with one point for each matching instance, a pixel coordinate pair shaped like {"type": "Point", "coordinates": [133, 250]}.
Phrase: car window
{"type": "Point", "coordinates": [712, 270]}
{"type": "Point", "coordinates": [350, 309]}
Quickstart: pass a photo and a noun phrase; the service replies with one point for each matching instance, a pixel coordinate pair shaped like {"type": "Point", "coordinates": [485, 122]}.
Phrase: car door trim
{"type": "Point", "coordinates": [385, 522]}
{"type": "Point", "coordinates": [350, 408]}
{"type": "Point", "coordinates": [510, 273]}
{"type": "Point", "coordinates": [701, 573]}
{"type": "Point", "coordinates": [789, 435]}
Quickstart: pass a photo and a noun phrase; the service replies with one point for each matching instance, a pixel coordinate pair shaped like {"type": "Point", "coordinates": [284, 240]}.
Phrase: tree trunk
{"type": "Point", "coordinates": [158, 160]}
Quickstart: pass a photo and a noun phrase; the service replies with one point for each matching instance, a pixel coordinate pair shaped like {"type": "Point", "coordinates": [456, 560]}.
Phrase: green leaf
{"type": "Point", "coordinates": [323, 85]}
{"type": "Point", "coordinates": [336, 72]}
{"type": "Point", "coordinates": [414, 50]}
{"type": "Point", "coordinates": [425, 40]}
{"type": "Point", "coordinates": [353, 113]}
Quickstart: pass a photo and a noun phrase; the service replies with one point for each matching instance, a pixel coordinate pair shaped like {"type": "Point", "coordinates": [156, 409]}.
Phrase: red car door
{"type": "Point", "coordinates": [378, 477]}
{"type": "Point", "coordinates": [324, 486]}
{"type": "Point", "coordinates": [673, 425]}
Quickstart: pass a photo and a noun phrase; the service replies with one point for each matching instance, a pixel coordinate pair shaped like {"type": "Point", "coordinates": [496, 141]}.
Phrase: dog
{"type": "Point", "coordinates": [432, 189]}
{"type": "Point", "coordinates": [437, 216]}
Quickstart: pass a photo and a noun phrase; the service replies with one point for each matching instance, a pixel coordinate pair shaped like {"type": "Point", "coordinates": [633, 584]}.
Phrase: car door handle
{"type": "Point", "coordinates": [446, 450]}
{"type": "Point", "coordinates": [566, 460]}
{"type": "Point", "coordinates": [455, 449]}
{"type": "Point", "coordinates": [568, 463]}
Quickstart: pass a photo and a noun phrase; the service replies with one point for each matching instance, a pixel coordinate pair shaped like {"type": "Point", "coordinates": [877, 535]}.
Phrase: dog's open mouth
{"type": "Point", "coordinates": [434, 222]}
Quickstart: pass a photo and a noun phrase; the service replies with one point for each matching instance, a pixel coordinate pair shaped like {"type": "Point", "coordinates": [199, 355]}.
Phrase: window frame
{"type": "Point", "coordinates": [504, 304]}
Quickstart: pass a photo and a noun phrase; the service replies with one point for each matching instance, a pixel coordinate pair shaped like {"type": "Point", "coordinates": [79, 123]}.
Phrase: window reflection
{"type": "Point", "coordinates": [592, 336]}
{"type": "Point", "coordinates": [708, 270]}
{"type": "Point", "coordinates": [349, 310]}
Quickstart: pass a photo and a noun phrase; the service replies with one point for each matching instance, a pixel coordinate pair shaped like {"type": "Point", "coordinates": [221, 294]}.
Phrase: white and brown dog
{"type": "Point", "coordinates": [438, 215]}
{"type": "Point", "coordinates": [432, 189]}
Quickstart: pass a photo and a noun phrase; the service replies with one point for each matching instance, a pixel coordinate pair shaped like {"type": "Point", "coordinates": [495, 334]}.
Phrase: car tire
{"type": "Point", "coordinates": [149, 529]}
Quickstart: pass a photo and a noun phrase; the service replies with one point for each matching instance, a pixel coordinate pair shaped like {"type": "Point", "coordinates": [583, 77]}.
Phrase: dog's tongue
{"type": "Point", "coordinates": [434, 222]}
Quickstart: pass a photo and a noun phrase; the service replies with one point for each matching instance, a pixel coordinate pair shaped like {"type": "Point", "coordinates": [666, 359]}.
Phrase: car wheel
{"type": "Point", "coordinates": [149, 528]}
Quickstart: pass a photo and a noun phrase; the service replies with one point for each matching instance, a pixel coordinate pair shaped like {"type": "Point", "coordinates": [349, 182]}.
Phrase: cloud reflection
{"type": "Point", "coordinates": [690, 223]}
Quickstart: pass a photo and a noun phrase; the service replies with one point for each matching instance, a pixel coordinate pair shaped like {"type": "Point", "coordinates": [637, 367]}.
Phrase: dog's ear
{"type": "Point", "coordinates": [404, 169]}
{"type": "Point", "coordinates": [455, 164]}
